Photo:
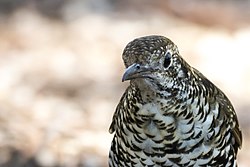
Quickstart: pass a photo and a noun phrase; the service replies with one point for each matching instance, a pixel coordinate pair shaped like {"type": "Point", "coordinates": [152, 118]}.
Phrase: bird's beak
{"type": "Point", "coordinates": [136, 71]}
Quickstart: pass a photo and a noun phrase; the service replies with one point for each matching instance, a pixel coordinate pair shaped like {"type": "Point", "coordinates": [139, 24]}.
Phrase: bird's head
{"type": "Point", "coordinates": [154, 60]}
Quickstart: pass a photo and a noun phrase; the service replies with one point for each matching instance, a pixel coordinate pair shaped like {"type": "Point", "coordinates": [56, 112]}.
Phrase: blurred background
{"type": "Point", "coordinates": [61, 68]}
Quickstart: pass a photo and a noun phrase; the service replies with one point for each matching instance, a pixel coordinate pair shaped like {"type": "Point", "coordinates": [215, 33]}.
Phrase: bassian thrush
{"type": "Point", "coordinates": [170, 114]}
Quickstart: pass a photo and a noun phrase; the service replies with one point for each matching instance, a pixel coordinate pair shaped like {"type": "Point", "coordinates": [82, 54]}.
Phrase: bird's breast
{"type": "Point", "coordinates": [158, 129]}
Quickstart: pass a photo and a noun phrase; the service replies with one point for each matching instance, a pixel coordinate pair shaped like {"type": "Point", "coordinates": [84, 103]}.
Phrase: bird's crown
{"type": "Point", "coordinates": [155, 59]}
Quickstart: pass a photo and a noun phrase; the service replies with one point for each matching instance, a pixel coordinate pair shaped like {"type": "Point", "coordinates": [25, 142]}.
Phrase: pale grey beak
{"type": "Point", "coordinates": [136, 71]}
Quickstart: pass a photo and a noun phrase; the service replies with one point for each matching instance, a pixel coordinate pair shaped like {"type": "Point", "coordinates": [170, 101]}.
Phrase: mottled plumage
{"type": "Point", "coordinates": [170, 115]}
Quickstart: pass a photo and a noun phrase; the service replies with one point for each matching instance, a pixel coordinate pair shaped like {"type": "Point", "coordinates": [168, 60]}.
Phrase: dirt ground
{"type": "Point", "coordinates": [61, 68]}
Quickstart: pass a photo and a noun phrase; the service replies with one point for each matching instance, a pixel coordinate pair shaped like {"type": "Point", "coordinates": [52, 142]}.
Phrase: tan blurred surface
{"type": "Point", "coordinates": [61, 68]}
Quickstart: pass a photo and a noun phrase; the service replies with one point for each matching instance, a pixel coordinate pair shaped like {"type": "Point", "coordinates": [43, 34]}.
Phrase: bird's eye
{"type": "Point", "coordinates": [137, 66]}
{"type": "Point", "coordinates": [167, 60]}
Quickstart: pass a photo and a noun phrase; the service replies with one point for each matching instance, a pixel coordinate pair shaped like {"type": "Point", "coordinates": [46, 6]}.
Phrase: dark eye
{"type": "Point", "coordinates": [167, 60]}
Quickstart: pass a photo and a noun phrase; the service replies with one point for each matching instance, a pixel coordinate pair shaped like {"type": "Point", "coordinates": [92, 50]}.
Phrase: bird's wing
{"type": "Point", "coordinates": [113, 125]}
{"type": "Point", "coordinates": [226, 108]}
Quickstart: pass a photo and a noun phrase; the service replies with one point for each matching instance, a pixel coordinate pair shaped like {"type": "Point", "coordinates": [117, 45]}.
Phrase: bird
{"type": "Point", "coordinates": [170, 115]}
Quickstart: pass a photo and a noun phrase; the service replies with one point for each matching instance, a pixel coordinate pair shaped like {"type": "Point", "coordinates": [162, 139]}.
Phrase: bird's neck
{"type": "Point", "coordinates": [151, 93]}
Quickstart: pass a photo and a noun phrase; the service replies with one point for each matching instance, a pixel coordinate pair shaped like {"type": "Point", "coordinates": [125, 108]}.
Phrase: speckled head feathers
{"type": "Point", "coordinates": [156, 59]}
{"type": "Point", "coordinates": [147, 49]}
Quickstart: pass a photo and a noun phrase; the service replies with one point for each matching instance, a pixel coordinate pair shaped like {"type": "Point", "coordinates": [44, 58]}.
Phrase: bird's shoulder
{"type": "Point", "coordinates": [226, 107]}
{"type": "Point", "coordinates": [129, 98]}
